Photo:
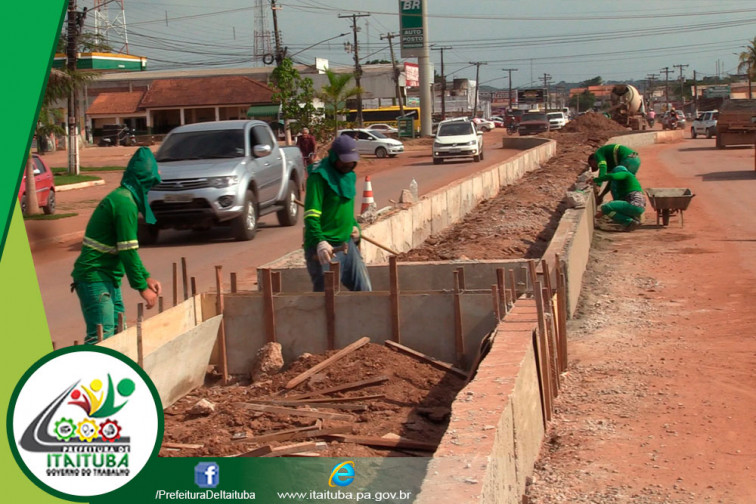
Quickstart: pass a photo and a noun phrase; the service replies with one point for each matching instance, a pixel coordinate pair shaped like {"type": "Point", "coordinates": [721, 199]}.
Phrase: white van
{"type": "Point", "coordinates": [374, 142]}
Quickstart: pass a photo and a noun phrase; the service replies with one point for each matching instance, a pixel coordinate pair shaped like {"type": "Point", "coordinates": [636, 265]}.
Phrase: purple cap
{"type": "Point", "coordinates": [346, 148]}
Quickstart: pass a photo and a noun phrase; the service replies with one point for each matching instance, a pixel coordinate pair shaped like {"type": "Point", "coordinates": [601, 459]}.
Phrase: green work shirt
{"type": "Point", "coordinates": [623, 183]}
{"type": "Point", "coordinates": [609, 156]}
{"type": "Point", "coordinates": [327, 216]}
{"type": "Point", "coordinates": [109, 248]}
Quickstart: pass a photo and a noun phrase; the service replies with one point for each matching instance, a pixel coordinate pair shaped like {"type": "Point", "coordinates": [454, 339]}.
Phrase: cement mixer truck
{"type": "Point", "coordinates": [627, 107]}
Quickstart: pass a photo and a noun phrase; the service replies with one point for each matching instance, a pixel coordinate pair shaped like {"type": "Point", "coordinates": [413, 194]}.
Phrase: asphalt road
{"type": "Point", "coordinates": [203, 251]}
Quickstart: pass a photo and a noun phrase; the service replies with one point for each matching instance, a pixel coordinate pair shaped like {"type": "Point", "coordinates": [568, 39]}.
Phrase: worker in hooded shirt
{"type": "Point", "coordinates": [110, 249]}
{"type": "Point", "coordinates": [609, 156]}
{"type": "Point", "coordinates": [331, 232]}
{"type": "Point", "coordinates": [628, 202]}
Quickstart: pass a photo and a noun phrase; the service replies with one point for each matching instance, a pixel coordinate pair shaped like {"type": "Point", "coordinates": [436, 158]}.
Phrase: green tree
{"type": "Point", "coordinates": [295, 95]}
{"type": "Point", "coordinates": [583, 101]}
{"type": "Point", "coordinates": [747, 62]}
{"type": "Point", "coordinates": [596, 81]}
{"type": "Point", "coordinates": [334, 96]}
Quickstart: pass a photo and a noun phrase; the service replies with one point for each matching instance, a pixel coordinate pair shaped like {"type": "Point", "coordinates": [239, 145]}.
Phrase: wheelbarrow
{"type": "Point", "coordinates": [667, 201]}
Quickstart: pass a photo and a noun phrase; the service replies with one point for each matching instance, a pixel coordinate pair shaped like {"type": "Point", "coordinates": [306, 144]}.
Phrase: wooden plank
{"type": "Point", "coordinates": [194, 286]}
{"type": "Point", "coordinates": [330, 360]}
{"type": "Point", "coordinates": [280, 435]}
{"type": "Point", "coordinates": [320, 404]}
{"type": "Point", "coordinates": [561, 313]}
{"type": "Point", "coordinates": [459, 341]}
{"type": "Point", "coordinates": [175, 284]}
{"type": "Point", "coordinates": [531, 270]}
{"type": "Point", "coordinates": [307, 433]}
{"type": "Point", "coordinates": [234, 285]}
{"type": "Point", "coordinates": [461, 275]}
{"type": "Point", "coordinates": [305, 412]}
{"type": "Point", "coordinates": [410, 444]}
{"type": "Point", "coordinates": [368, 397]}
{"type": "Point", "coordinates": [543, 357]}
{"type": "Point", "coordinates": [269, 451]}
{"type": "Point", "coordinates": [275, 278]}
{"type": "Point", "coordinates": [121, 324]}
{"type": "Point", "coordinates": [336, 269]}
{"type": "Point", "coordinates": [426, 358]}
{"type": "Point", "coordinates": [495, 299]}
{"type": "Point", "coordinates": [161, 305]}
{"type": "Point", "coordinates": [140, 345]}
{"type": "Point", "coordinates": [513, 285]}
{"type": "Point", "coordinates": [182, 446]}
{"type": "Point", "coordinates": [483, 349]}
{"type": "Point", "coordinates": [222, 327]}
{"type": "Point", "coordinates": [330, 310]}
{"type": "Point", "coordinates": [394, 293]}
{"type": "Point", "coordinates": [184, 278]}
{"type": "Point", "coordinates": [269, 309]}
{"type": "Point", "coordinates": [502, 285]}
{"type": "Point", "coordinates": [340, 388]}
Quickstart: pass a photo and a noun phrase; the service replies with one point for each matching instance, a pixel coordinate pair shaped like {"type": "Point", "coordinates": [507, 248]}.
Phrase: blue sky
{"type": "Point", "coordinates": [571, 40]}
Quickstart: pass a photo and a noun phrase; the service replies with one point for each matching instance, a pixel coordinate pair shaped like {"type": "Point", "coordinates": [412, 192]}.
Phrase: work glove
{"type": "Point", "coordinates": [355, 234]}
{"type": "Point", "coordinates": [325, 252]}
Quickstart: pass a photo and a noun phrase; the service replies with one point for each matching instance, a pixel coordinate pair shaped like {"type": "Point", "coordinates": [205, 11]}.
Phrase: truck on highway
{"type": "Point", "coordinates": [736, 124]}
{"type": "Point", "coordinates": [224, 173]}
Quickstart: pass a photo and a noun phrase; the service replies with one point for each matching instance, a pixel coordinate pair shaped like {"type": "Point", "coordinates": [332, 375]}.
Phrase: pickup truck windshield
{"type": "Point", "coordinates": [454, 129]}
{"type": "Point", "coordinates": [202, 145]}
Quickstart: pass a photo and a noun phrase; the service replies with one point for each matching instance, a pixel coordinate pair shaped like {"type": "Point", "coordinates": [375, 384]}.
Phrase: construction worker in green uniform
{"type": "Point", "coordinates": [109, 249]}
{"type": "Point", "coordinates": [628, 202]}
{"type": "Point", "coordinates": [607, 157]}
{"type": "Point", "coordinates": [331, 232]}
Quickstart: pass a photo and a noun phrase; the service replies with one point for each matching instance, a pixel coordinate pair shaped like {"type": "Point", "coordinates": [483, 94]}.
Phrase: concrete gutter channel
{"type": "Point", "coordinates": [446, 310]}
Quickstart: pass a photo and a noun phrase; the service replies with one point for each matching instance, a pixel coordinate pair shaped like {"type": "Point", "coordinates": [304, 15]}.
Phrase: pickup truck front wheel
{"type": "Point", "coordinates": [244, 226]}
{"type": "Point", "coordinates": [289, 214]}
{"type": "Point", "coordinates": [147, 234]}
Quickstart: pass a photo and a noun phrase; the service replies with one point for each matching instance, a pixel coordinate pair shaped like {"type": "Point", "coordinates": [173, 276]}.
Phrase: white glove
{"type": "Point", "coordinates": [325, 252]}
{"type": "Point", "coordinates": [355, 233]}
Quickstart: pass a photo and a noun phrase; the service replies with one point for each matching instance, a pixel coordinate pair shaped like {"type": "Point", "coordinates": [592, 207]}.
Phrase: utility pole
{"type": "Point", "coordinates": [357, 67]}
{"type": "Point", "coordinates": [666, 71]}
{"type": "Point", "coordinates": [546, 80]}
{"type": "Point", "coordinates": [277, 36]}
{"type": "Point", "coordinates": [443, 81]}
{"type": "Point", "coordinates": [75, 23]}
{"type": "Point", "coordinates": [682, 84]}
{"type": "Point", "coordinates": [695, 95]}
{"type": "Point", "coordinates": [510, 70]}
{"type": "Point", "coordinates": [477, 84]}
{"type": "Point", "coordinates": [390, 36]}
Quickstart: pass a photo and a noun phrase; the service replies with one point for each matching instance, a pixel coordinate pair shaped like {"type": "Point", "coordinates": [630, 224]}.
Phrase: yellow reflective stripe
{"type": "Point", "coordinates": [614, 153]}
{"type": "Point", "coordinates": [100, 247]}
{"type": "Point", "coordinates": [128, 245]}
{"type": "Point", "coordinates": [313, 213]}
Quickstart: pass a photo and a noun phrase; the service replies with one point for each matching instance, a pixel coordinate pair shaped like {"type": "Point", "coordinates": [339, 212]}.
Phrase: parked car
{"type": "Point", "coordinates": [374, 142]}
{"type": "Point", "coordinates": [224, 173]}
{"type": "Point", "coordinates": [498, 121]}
{"type": "Point", "coordinates": [557, 120]}
{"type": "Point", "coordinates": [456, 139]}
{"type": "Point", "coordinates": [483, 125]}
{"type": "Point", "coordinates": [669, 122]}
{"type": "Point", "coordinates": [45, 185]}
{"type": "Point", "coordinates": [705, 124]}
{"type": "Point", "coordinates": [383, 128]}
{"type": "Point", "coordinates": [116, 134]}
{"type": "Point", "coordinates": [533, 123]}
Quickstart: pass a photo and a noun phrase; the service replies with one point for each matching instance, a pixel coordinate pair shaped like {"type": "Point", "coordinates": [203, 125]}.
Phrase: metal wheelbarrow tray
{"type": "Point", "coordinates": [668, 200]}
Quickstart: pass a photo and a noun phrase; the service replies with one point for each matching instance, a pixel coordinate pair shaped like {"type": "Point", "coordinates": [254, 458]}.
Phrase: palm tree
{"type": "Point", "coordinates": [747, 62]}
{"type": "Point", "coordinates": [335, 94]}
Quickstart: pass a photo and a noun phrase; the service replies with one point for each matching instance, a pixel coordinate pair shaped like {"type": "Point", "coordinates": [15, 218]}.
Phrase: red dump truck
{"type": "Point", "coordinates": [737, 123]}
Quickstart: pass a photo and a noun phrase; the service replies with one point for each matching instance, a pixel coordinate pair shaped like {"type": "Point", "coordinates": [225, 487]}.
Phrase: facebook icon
{"type": "Point", "coordinates": [206, 474]}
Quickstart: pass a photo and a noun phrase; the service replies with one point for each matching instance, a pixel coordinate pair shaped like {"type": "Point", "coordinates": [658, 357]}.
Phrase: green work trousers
{"type": "Point", "coordinates": [622, 212]}
{"type": "Point", "coordinates": [101, 302]}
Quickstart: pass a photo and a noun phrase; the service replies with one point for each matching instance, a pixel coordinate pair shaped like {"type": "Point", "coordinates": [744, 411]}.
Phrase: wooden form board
{"type": "Point", "coordinates": [157, 329]}
{"type": "Point", "coordinates": [413, 276]}
{"type": "Point", "coordinates": [426, 322]}
{"type": "Point", "coordinates": [180, 365]}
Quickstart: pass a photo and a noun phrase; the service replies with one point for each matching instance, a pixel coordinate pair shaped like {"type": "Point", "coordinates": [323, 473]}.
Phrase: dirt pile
{"type": "Point", "coordinates": [403, 397]}
{"type": "Point", "coordinates": [521, 219]}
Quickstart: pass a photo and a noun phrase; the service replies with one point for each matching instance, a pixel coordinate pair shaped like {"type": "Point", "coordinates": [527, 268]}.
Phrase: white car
{"type": "Point", "coordinates": [705, 124]}
{"type": "Point", "coordinates": [455, 139]}
{"type": "Point", "coordinates": [383, 128]}
{"type": "Point", "coordinates": [483, 125]}
{"type": "Point", "coordinates": [374, 142]}
{"type": "Point", "coordinates": [557, 120]}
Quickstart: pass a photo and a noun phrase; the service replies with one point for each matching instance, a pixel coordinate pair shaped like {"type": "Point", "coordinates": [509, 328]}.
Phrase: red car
{"type": "Point", "coordinates": [43, 179]}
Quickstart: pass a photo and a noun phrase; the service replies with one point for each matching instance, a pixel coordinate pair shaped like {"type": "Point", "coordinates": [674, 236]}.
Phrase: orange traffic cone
{"type": "Point", "coordinates": [367, 195]}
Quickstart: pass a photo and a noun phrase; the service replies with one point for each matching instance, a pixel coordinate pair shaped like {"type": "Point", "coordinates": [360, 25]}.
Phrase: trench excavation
{"type": "Point", "coordinates": [495, 263]}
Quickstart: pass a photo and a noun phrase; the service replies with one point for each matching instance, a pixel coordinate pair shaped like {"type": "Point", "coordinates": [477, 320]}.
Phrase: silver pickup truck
{"type": "Point", "coordinates": [224, 173]}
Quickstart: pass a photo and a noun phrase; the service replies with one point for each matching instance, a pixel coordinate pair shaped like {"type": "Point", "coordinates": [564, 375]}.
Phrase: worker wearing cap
{"type": "Point", "coordinates": [330, 229]}
{"type": "Point", "coordinates": [628, 202]}
{"type": "Point", "coordinates": [109, 249]}
{"type": "Point", "coordinates": [609, 156]}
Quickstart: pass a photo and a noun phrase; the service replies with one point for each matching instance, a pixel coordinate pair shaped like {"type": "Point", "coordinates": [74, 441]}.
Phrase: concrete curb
{"type": "Point", "coordinates": [79, 185]}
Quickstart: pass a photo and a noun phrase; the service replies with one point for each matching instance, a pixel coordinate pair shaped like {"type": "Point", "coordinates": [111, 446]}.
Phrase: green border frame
{"type": "Point", "coordinates": [51, 356]}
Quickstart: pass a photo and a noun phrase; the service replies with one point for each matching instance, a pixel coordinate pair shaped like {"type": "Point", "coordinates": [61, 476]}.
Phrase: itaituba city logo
{"type": "Point", "coordinates": [93, 430]}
